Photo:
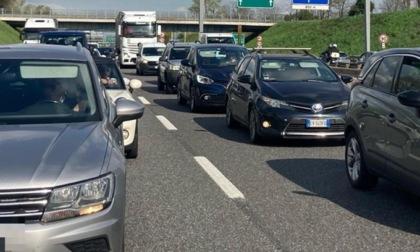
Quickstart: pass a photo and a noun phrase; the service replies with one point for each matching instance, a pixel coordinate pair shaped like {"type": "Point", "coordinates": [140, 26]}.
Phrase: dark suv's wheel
{"type": "Point", "coordinates": [160, 82]}
{"type": "Point", "coordinates": [357, 173]}
{"type": "Point", "coordinates": [230, 121]}
{"type": "Point", "coordinates": [254, 136]}
{"type": "Point", "coordinates": [193, 103]}
{"type": "Point", "coordinates": [181, 100]}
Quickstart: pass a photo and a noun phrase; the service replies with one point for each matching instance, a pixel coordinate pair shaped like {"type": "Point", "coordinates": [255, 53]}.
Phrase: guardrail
{"type": "Point", "coordinates": [257, 16]}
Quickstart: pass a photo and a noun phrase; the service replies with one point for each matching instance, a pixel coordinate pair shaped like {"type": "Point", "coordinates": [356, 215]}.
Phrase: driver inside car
{"type": "Point", "coordinates": [63, 91]}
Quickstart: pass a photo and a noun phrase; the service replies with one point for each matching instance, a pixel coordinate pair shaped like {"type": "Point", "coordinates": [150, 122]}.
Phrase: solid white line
{"type": "Point", "coordinates": [166, 122]}
{"type": "Point", "coordinates": [143, 100]}
{"type": "Point", "coordinates": [224, 183]}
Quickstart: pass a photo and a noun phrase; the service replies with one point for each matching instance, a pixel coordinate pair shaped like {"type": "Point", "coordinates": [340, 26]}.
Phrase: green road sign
{"type": "Point", "coordinates": [235, 37]}
{"type": "Point", "coordinates": [255, 3]}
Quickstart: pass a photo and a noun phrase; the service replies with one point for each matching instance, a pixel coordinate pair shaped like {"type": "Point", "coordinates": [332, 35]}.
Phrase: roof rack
{"type": "Point", "coordinates": [266, 49]}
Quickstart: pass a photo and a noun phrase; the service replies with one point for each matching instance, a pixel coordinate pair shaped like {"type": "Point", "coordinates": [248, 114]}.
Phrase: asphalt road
{"type": "Point", "coordinates": [199, 186]}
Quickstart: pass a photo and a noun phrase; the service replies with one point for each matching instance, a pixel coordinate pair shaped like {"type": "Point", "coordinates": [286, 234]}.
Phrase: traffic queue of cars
{"type": "Point", "coordinates": [298, 96]}
{"type": "Point", "coordinates": [76, 120]}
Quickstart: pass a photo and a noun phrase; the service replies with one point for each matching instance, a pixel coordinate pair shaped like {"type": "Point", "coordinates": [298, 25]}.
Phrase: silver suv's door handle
{"type": "Point", "coordinates": [364, 103]}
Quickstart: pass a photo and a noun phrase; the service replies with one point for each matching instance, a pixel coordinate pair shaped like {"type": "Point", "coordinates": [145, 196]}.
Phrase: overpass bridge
{"type": "Point", "coordinates": [170, 21]}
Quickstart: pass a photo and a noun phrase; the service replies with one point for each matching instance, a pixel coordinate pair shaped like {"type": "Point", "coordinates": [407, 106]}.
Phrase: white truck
{"type": "Point", "coordinates": [33, 26]}
{"type": "Point", "coordinates": [131, 29]}
{"type": "Point", "coordinates": [216, 38]}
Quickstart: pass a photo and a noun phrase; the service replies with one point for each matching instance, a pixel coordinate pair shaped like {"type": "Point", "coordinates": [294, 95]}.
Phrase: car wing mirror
{"type": "Point", "coordinates": [409, 98]}
{"type": "Point", "coordinates": [346, 78]}
{"type": "Point", "coordinates": [185, 62]}
{"type": "Point", "coordinates": [245, 79]}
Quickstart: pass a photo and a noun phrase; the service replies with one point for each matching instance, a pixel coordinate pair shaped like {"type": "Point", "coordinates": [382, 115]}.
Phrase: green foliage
{"type": "Point", "coordinates": [8, 35]}
{"type": "Point", "coordinates": [359, 8]}
{"type": "Point", "coordinates": [301, 15]}
{"type": "Point", "coordinates": [402, 28]}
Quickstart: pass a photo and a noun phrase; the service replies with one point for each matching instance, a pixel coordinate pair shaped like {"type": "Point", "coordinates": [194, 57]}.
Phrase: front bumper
{"type": "Point", "coordinates": [210, 95]}
{"type": "Point", "coordinates": [103, 231]}
{"type": "Point", "coordinates": [149, 68]}
{"type": "Point", "coordinates": [286, 123]}
{"type": "Point", "coordinates": [130, 127]}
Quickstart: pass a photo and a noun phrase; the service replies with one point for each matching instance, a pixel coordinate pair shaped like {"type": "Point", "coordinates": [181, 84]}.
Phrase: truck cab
{"type": "Point", "coordinates": [217, 38]}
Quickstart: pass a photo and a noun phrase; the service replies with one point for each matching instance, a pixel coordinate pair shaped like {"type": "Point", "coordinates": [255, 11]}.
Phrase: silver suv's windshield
{"type": "Point", "coordinates": [38, 91]}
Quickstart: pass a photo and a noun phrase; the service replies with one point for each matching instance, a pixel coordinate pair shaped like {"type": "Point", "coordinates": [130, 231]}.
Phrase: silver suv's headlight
{"type": "Point", "coordinates": [274, 103]}
{"type": "Point", "coordinates": [204, 80]}
{"type": "Point", "coordinates": [80, 199]}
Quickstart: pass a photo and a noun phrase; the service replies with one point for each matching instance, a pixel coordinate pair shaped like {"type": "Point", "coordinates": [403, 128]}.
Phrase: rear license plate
{"type": "Point", "coordinates": [317, 123]}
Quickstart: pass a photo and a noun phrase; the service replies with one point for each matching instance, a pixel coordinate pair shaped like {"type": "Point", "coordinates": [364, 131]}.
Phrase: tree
{"type": "Point", "coordinates": [340, 6]}
{"type": "Point", "coordinates": [359, 8]}
{"type": "Point", "coordinates": [395, 5]}
{"type": "Point", "coordinates": [211, 6]}
{"type": "Point", "coordinates": [6, 3]}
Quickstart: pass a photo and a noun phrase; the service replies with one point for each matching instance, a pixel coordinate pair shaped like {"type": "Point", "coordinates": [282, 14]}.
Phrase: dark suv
{"type": "Point", "coordinates": [205, 73]}
{"type": "Point", "coordinates": [382, 121]}
{"type": "Point", "coordinates": [169, 64]}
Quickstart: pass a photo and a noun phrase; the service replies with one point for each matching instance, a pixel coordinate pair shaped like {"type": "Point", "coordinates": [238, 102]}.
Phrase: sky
{"type": "Point", "coordinates": [153, 5]}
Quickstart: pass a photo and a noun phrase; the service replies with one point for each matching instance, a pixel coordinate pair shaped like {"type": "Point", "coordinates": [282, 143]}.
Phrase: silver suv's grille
{"type": "Point", "coordinates": [26, 205]}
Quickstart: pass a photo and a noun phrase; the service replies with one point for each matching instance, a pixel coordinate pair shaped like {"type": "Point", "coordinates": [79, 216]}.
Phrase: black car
{"type": "Point", "coordinates": [287, 96]}
{"type": "Point", "coordinates": [205, 72]}
{"type": "Point", "coordinates": [382, 121]}
{"type": "Point", "coordinates": [359, 61]}
{"type": "Point", "coordinates": [169, 65]}
{"type": "Point", "coordinates": [108, 52]}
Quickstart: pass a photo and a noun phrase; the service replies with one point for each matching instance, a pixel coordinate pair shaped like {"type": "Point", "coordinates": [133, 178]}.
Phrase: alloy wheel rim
{"type": "Point", "coordinates": [353, 159]}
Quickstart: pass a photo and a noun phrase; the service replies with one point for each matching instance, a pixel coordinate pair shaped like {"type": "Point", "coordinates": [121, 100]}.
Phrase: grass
{"type": "Point", "coordinates": [8, 35]}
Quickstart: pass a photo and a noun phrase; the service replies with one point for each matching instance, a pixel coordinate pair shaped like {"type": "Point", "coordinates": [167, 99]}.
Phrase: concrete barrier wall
{"type": "Point", "coordinates": [347, 71]}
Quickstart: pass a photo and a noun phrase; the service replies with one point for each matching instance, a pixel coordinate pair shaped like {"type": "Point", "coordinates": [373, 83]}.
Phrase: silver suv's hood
{"type": "Point", "coordinates": [43, 156]}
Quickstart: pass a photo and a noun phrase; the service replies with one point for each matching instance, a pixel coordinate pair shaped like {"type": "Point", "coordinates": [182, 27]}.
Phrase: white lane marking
{"type": "Point", "coordinates": [166, 122]}
{"type": "Point", "coordinates": [143, 100]}
{"type": "Point", "coordinates": [224, 183]}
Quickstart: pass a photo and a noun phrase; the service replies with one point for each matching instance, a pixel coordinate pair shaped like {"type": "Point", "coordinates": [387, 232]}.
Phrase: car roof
{"type": "Point", "coordinates": [197, 45]}
{"type": "Point", "coordinates": [282, 55]}
{"type": "Point", "coordinates": [393, 51]}
{"type": "Point", "coordinates": [104, 59]}
{"type": "Point", "coordinates": [44, 51]}
{"type": "Point", "coordinates": [66, 32]}
{"type": "Point", "coordinates": [180, 44]}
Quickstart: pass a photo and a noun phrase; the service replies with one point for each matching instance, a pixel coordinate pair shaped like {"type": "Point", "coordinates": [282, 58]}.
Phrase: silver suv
{"type": "Point", "coordinates": [383, 121]}
{"type": "Point", "coordinates": [62, 172]}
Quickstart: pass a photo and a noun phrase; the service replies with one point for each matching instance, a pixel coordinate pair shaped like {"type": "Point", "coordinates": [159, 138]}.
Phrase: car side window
{"type": "Point", "coordinates": [409, 77]}
{"type": "Point", "coordinates": [250, 69]}
{"type": "Point", "coordinates": [369, 77]}
{"type": "Point", "coordinates": [243, 66]}
{"type": "Point", "coordinates": [385, 74]}
{"type": "Point", "coordinates": [191, 56]}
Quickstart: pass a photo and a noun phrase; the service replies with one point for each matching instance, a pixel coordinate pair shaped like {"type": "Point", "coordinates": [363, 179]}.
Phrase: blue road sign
{"type": "Point", "coordinates": [310, 1]}
{"type": "Point", "coordinates": [311, 4]}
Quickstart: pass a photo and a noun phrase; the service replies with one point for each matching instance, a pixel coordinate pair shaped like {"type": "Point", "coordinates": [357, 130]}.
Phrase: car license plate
{"type": "Point", "coordinates": [317, 123]}
{"type": "Point", "coordinates": [155, 67]}
{"type": "Point", "coordinates": [12, 237]}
